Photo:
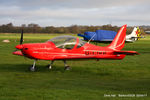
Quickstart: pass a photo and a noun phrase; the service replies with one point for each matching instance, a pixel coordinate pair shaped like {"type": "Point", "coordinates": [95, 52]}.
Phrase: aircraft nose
{"type": "Point", "coordinates": [19, 47]}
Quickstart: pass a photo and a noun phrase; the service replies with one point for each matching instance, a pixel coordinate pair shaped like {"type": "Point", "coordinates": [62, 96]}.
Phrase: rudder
{"type": "Point", "coordinates": [119, 40]}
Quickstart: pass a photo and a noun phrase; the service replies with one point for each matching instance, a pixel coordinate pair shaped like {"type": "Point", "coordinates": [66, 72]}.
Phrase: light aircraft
{"type": "Point", "coordinates": [135, 35]}
{"type": "Point", "coordinates": [69, 47]}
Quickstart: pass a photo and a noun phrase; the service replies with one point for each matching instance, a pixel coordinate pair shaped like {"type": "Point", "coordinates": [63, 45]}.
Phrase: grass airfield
{"type": "Point", "coordinates": [87, 80]}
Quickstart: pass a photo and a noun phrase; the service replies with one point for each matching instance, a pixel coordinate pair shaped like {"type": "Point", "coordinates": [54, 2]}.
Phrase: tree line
{"type": "Point", "coordinates": [74, 29]}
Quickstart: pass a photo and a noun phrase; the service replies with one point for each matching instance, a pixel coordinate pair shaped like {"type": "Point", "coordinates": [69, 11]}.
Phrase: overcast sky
{"type": "Point", "coordinates": [75, 12]}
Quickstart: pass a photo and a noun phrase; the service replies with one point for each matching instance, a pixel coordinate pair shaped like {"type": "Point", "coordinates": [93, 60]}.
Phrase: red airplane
{"type": "Point", "coordinates": [69, 47]}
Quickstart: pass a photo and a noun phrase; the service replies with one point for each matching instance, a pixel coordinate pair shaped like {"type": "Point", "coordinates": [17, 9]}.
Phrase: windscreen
{"type": "Point", "coordinates": [64, 42]}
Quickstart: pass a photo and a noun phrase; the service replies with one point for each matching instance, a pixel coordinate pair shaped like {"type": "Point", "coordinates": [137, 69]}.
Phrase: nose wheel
{"type": "Point", "coordinates": [33, 68]}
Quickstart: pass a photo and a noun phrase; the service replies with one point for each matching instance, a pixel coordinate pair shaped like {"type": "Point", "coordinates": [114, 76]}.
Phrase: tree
{"type": "Point", "coordinates": [34, 28]}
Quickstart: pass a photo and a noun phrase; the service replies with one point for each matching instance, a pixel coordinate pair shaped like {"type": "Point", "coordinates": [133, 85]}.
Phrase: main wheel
{"type": "Point", "coordinates": [49, 66]}
{"type": "Point", "coordinates": [67, 68]}
{"type": "Point", "coordinates": [32, 69]}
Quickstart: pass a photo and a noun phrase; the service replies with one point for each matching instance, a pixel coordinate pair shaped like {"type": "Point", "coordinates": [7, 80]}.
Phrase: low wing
{"type": "Point", "coordinates": [18, 53]}
{"type": "Point", "coordinates": [126, 52]}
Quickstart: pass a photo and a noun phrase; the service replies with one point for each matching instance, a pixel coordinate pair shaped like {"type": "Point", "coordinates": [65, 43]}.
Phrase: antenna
{"type": "Point", "coordinates": [91, 38]}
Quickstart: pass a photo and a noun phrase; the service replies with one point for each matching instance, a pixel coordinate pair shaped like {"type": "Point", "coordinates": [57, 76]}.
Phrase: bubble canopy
{"type": "Point", "coordinates": [67, 42]}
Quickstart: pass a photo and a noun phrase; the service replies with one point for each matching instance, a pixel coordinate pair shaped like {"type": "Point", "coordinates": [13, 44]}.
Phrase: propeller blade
{"type": "Point", "coordinates": [21, 39]}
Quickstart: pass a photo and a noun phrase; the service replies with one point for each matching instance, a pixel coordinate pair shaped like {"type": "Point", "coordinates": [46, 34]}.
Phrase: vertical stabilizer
{"type": "Point", "coordinates": [134, 32]}
{"type": "Point", "coordinates": [119, 40]}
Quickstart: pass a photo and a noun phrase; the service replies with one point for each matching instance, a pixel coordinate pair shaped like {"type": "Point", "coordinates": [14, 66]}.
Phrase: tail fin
{"type": "Point", "coordinates": [119, 40]}
{"type": "Point", "coordinates": [134, 32]}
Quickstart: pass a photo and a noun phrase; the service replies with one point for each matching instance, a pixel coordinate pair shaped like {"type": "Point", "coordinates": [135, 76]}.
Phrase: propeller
{"type": "Point", "coordinates": [21, 39]}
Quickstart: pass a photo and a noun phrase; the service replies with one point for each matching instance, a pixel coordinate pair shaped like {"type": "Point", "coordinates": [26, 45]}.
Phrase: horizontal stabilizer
{"type": "Point", "coordinates": [126, 52]}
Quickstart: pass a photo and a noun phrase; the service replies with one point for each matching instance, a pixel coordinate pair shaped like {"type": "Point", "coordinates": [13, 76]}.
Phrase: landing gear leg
{"type": "Point", "coordinates": [50, 65]}
{"type": "Point", "coordinates": [33, 68]}
{"type": "Point", "coordinates": [66, 66]}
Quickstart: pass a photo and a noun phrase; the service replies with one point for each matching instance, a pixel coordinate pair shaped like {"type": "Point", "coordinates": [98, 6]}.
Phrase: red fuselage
{"type": "Point", "coordinates": [48, 51]}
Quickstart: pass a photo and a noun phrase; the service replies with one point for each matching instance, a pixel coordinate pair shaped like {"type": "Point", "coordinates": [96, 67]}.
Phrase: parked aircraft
{"type": "Point", "coordinates": [69, 47]}
{"type": "Point", "coordinates": [135, 35]}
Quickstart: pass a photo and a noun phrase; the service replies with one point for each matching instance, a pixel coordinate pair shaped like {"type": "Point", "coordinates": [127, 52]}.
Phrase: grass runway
{"type": "Point", "coordinates": [87, 80]}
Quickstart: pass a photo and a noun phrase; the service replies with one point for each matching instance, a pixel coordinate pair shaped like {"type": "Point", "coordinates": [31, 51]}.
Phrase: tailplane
{"type": "Point", "coordinates": [119, 40]}
{"type": "Point", "coordinates": [126, 52]}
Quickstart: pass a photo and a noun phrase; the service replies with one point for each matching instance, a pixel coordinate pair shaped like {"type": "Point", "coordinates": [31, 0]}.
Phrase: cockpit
{"type": "Point", "coordinates": [67, 42]}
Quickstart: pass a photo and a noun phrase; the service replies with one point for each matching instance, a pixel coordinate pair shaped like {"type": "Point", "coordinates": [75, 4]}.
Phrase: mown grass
{"type": "Point", "coordinates": [87, 80]}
